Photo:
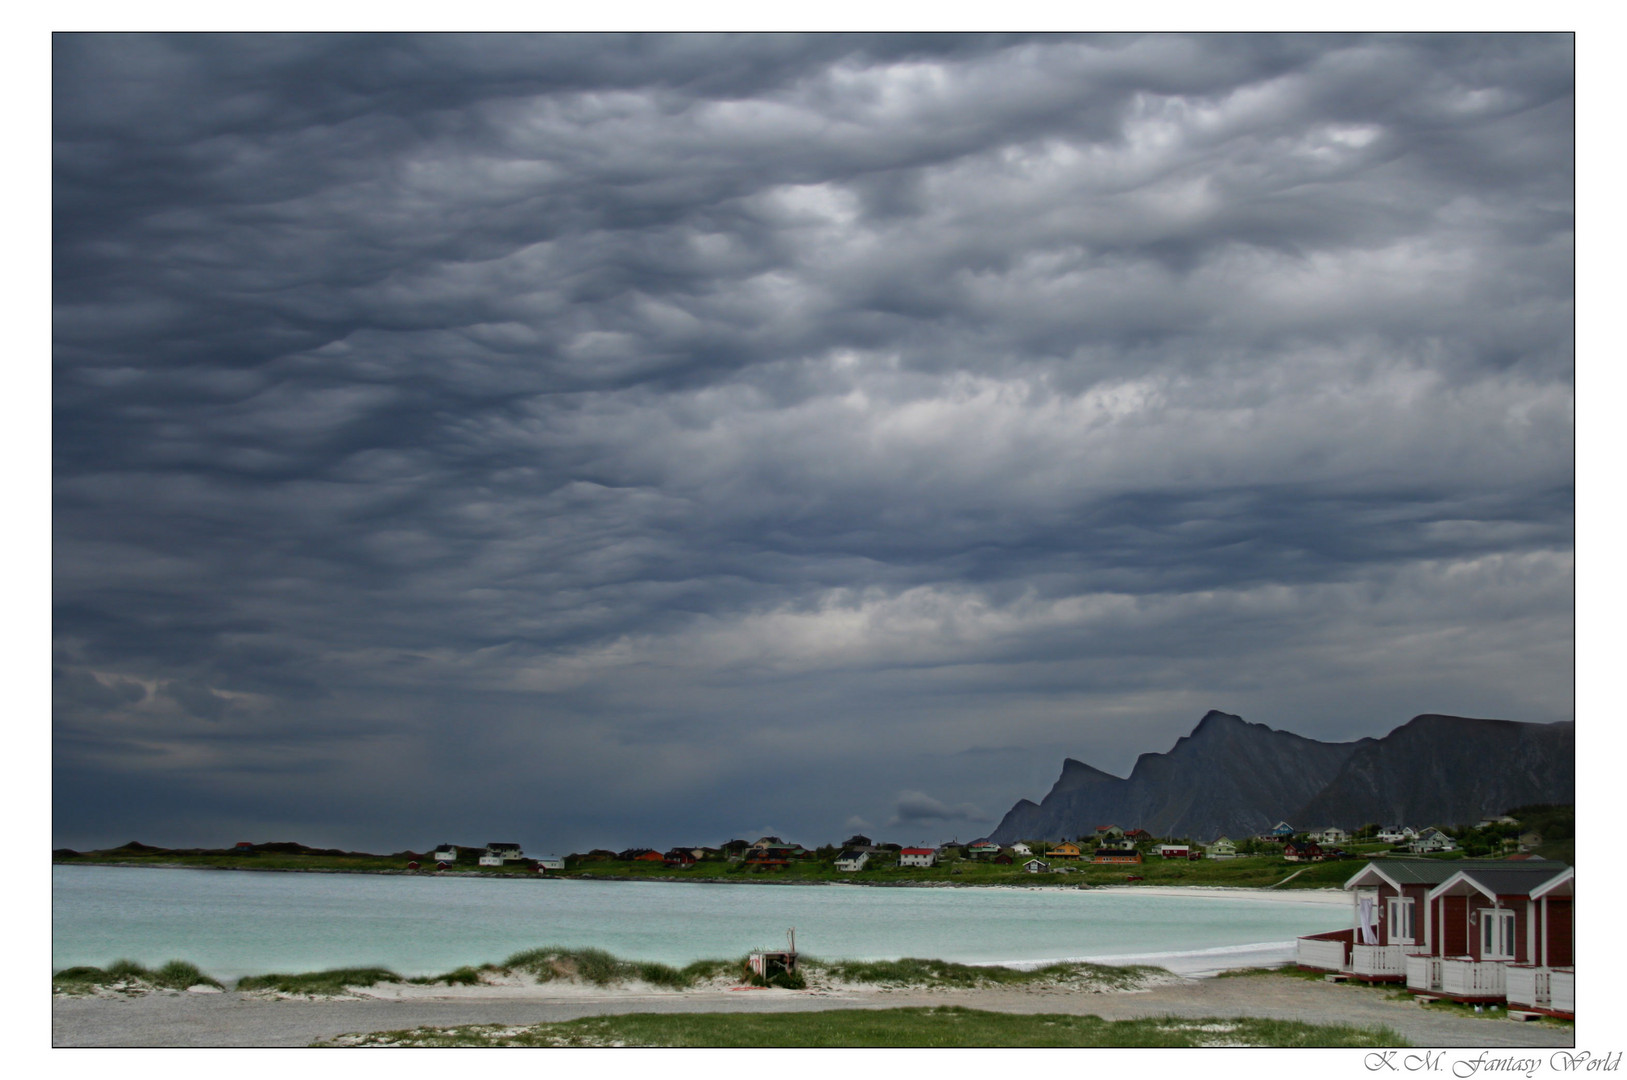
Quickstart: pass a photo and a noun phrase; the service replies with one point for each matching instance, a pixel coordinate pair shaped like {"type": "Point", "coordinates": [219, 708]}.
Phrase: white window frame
{"type": "Point", "coordinates": [1403, 911]}
{"type": "Point", "coordinates": [1496, 934]}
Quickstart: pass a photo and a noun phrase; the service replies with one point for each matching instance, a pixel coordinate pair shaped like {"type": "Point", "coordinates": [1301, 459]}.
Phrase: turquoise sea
{"type": "Point", "coordinates": [234, 923]}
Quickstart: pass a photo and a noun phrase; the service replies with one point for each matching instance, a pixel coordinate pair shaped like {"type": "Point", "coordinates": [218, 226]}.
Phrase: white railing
{"type": "Point", "coordinates": [1471, 978]}
{"type": "Point", "coordinates": [1562, 990]}
{"type": "Point", "coordinates": [1423, 973]}
{"type": "Point", "coordinates": [1320, 953]}
{"type": "Point", "coordinates": [1528, 986]}
{"type": "Point", "coordinates": [1378, 959]}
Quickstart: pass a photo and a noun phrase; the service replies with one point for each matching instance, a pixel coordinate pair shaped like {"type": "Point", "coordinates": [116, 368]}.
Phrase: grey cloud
{"type": "Point", "coordinates": [511, 398]}
{"type": "Point", "coordinates": [916, 807]}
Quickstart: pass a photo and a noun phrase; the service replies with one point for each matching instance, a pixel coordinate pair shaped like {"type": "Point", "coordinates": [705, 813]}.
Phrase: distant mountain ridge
{"type": "Point", "coordinates": [1237, 778]}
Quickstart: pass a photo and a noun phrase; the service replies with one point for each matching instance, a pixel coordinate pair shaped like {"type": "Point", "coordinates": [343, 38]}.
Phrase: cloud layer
{"type": "Point", "coordinates": [627, 439]}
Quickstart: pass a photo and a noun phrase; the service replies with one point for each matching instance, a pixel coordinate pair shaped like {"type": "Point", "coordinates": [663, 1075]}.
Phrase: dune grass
{"type": "Point", "coordinates": [332, 981]}
{"type": "Point", "coordinates": [174, 975]}
{"type": "Point", "coordinates": [949, 1026]}
{"type": "Point", "coordinates": [601, 968]}
{"type": "Point", "coordinates": [912, 971]}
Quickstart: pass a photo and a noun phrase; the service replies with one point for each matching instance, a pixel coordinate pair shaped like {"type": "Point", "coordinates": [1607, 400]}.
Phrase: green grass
{"type": "Point", "coordinates": [333, 981]}
{"type": "Point", "coordinates": [463, 976]}
{"type": "Point", "coordinates": [950, 1026]}
{"type": "Point", "coordinates": [601, 968]}
{"type": "Point", "coordinates": [911, 971]}
{"type": "Point", "coordinates": [174, 975]}
{"type": "Point", "coordinates": [1286, 970]}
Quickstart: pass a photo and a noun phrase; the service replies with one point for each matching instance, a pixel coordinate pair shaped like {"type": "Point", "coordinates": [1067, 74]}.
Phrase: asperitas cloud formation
{"type": "Point", "coordinates": [643, 439]}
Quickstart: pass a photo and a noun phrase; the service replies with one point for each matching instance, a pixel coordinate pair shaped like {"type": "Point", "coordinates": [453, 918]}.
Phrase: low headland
{"type": "Point", "coordinates": [1244, 872]}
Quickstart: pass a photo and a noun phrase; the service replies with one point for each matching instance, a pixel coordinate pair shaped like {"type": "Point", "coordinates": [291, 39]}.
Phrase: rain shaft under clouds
{"type": "Point", "coordinates": [609, 440]}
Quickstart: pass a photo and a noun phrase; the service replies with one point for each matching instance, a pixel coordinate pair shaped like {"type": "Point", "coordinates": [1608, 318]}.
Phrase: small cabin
{"type": "Point", "coordinates": [1037, 866]}
{"type": "Point", "coordinates": [852, 861]}
{"type": "Point", "coordinates": [917, 856]}
{"type": "Point", "coordinates": [1116, 856]}
{"type": "Point", "coordinates": [1303, 851]}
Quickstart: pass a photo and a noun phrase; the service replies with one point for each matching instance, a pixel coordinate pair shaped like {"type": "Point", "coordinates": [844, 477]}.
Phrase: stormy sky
{"type": "Point", "coordinates": [612, 440]}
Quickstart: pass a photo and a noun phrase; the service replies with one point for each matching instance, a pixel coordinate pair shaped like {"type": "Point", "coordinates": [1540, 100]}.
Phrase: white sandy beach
{"type": "Point", "coordinates": [233, 1019]}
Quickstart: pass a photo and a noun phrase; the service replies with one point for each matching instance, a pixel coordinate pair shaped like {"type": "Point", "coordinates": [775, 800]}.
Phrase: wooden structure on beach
{"type": "Point", "coordinates": [1471, 930]}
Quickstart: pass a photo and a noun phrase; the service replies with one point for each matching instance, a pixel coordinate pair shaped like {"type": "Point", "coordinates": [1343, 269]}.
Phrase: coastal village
{"type": "Point", "coordinates": [1107, 845]}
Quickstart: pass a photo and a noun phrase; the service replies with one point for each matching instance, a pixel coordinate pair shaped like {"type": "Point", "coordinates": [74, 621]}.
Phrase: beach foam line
{"type": "Point", "coordinates": [1195, 963]}
{"type": "Point", "coordinates": [1230, 892]}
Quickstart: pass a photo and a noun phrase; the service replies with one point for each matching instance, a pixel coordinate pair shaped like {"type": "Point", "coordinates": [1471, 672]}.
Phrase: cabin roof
{"type": "Point", "coordinates": [1399, 872]}
{"type": "Point", "coordinates": [1516, 879]}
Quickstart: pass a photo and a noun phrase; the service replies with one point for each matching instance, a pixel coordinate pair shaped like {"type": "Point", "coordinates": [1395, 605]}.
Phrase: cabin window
{"type": "Point", "coordinates": [1496, 934]}
{"type": "Point", "coordinates": [1402, 926]}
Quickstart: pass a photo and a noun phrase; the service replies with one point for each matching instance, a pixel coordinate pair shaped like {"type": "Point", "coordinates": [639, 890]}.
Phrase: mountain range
{"type": "Point", "coordinates": [1236, 778]}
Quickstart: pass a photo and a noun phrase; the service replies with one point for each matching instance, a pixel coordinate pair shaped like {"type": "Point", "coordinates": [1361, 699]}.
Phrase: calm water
{"type": "Point", "coordinates": [239, 923]}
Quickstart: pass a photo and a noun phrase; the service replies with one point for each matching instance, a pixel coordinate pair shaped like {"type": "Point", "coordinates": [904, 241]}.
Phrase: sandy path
{"type": "Point", "coordinates": [231, 1019]}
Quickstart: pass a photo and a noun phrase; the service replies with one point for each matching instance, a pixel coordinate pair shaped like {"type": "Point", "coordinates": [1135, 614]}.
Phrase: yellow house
{"type": "Point", "coordinates": [1065, 850]}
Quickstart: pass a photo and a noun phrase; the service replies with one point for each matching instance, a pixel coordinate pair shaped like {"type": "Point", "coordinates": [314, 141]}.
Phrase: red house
{"type": "Point", "coordinates": [769, 856]}
{"type": "Point", "coordinates": [679, 857]}
{"type": "Point", "coordinates": [1468, 930]}
{"type": "Point", "coordinates": [1302, 851]}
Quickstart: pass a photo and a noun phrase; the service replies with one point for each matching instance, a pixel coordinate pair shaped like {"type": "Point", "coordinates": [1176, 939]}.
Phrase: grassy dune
{"type": "Point", "coordinates": [601, 968]}
{"type": "Point", "coordinates": [949, 1026]}
{"type": "Point", "coordinates": [127, 974]}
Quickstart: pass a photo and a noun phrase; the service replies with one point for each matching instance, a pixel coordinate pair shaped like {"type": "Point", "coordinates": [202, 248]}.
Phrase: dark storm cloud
{"type": "Point", "coordinates": [916, 807]}
{"type": "Point", "coordinates": [467, 415]}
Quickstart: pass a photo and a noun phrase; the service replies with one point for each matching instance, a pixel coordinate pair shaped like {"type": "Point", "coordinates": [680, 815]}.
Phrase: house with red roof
{"type": "Point", "coordinates": [917, 856]}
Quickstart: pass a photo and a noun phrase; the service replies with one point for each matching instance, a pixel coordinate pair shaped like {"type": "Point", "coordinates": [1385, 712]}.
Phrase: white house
{"type": "Point", "coordinates": [498, 854]}
{"type": "Point", "coordinates": [1397, 834]}
{"type": "Point", "coordinates": [917, 856]}
{"type": "Point", "coordinates": [446, 853]}
{"type": "Point", "coordinates": [1432, 839]}
{"type": "Point", "coordinates": [1330, 835]}
{"type": "Point", "coordinates": [852, 861]}
{"type": "Point", "coordinates": [1222, 848]}
{"type": "Point", "coordinates": [1021, 848]}
{"type": "Point", "coordinates": [551, 862]}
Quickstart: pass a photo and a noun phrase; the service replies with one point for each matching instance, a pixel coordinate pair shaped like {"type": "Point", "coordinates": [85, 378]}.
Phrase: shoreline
{"type": "Point", "coordinates": [248, 1019]}
{"type": "Point", "coordinates": [1235, 891]}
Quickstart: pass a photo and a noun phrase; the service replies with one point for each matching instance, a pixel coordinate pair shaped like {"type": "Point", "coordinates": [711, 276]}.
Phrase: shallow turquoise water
{"type": "Point", "coordinates": [239, 923]}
